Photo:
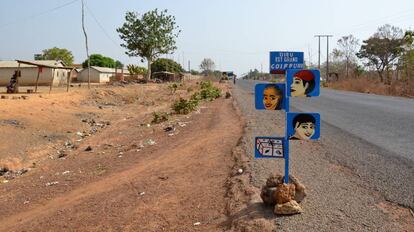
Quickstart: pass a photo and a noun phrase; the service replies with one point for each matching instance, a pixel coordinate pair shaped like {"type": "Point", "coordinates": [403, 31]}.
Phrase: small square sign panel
{"type": "Point", "coordinates": [269, 147]}
{"type": "Point", "coordinates": [303, 126]}
{"type": "Point", "coordinates": [270, 96]}
{"type": "Point", "coordinates": [303, 82]}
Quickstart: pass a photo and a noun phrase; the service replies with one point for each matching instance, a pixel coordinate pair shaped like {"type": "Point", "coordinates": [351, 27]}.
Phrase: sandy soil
{"type": "Point", "coordinates": [39, 127]}
{"type": "Point", "coordinates": [180, 183]}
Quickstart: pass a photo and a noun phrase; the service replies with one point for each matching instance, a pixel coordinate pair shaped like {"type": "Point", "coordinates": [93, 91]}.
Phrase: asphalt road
{"type": "Point", "coordinates": [369, 134]}
{"type": "Point", "coordinates": [387, 122]}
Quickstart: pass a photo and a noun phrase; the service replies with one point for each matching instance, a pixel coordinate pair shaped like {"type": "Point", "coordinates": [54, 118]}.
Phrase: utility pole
{"type": "Point", "coordinates": [319, 50]}
{"type": "Point", "coordinates": [183, 61]}
{"type": "Point", "coordinates": [327, 53]}
{"type": "Point", "coordinates": [86, 42]}
{"type": "Point", "coordinates": [327, 56]}
{"type": "Point", "coordinates": [189, 69]}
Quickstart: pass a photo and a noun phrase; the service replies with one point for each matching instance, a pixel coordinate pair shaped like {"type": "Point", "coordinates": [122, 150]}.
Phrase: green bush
{"type": "Point", "coordinates": [196, 97]}
{"type": "Point", "coordinates": [206, 85]}
{"type": "Point", "coordinates": [136, 70]}
{"type": "Point", "coordinates": [160, 117]}
{"type": "Point", "coordinates": [173, 88]}
{"type": "Point", "coordinates": [163, 64]}
{"type": "Point", "coordinates": [210, 94]}
{"type": "Point", "coordinates": [208, 91]}
{"type": "Point", "coordinates": [183, 106]}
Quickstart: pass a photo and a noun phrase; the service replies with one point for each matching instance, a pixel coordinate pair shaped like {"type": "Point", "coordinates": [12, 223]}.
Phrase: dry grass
{"type": "Point", "coordinates": [365, 85]}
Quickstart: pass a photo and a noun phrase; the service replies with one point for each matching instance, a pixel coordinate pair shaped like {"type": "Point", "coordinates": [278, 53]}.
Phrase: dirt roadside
{"type": "Point", "coordinates": [177, 184]}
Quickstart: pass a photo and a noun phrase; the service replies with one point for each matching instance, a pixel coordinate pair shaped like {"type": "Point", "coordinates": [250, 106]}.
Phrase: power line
{"type": "Point", "coordinates": [39, 14]}
{"type": "Point", "coordinates": [398, 15]}
{"type": "Point", "coordinates": [101, 27]}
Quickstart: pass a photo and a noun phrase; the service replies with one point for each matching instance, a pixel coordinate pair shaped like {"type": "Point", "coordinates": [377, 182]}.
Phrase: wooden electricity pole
{"type": "Point", "coordinates": [327, 53]}
{"type": "Point", "coordinates": [86, 42]}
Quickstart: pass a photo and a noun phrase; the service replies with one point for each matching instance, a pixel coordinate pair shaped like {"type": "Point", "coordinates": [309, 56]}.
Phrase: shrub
{"type": "Point", "coordinates": [173, 88]}
{"type": "Point", "coordinates": [206, 84]}
{"type": "Point", "coordinates": [183, 106]}
{"type": "Point", "coordinates": [196, 96]}
{"type": "Point", "coordinates": [160, 117]}
{"type": "Point", "coordinates": [208, 91]}
{"type": "Point", "coordinates": [210, 94]}
{"type": "Point", "coordinates": [163, 64]}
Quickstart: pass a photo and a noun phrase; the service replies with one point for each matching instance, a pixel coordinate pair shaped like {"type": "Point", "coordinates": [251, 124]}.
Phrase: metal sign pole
{"type": "Point", "coordinates": [286, 140]}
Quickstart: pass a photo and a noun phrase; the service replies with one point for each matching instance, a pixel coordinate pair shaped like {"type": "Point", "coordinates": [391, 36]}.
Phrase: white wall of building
{"type": "Point", "coordinates": [29, 75]}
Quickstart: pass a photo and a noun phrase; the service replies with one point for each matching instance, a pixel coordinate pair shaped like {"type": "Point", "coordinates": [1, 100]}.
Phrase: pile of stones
{"type": "Point", "coordinates": [284, 197]}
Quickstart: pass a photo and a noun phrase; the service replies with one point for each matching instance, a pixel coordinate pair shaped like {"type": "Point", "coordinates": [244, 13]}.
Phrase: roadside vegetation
{"type": "Point", "coordinates": [208, 92]}
{"type": "Point", "coordinates": [381, 64]}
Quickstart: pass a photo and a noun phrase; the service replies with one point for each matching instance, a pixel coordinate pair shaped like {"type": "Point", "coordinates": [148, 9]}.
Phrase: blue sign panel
{"type": "Point", "coordinates": [270, 96]}
{"type": "Point", "coordinates": [281, 61]}
{"type": "Point", "coordinates": [303, 126]}
{"type": "Point", "coordinates": [303, 82]}
{"type": "Point", "coordinates": [269, 147]}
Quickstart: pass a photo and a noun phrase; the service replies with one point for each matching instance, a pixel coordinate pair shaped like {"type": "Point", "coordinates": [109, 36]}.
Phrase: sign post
{"type": "Point", "coordinates": [299, 82]}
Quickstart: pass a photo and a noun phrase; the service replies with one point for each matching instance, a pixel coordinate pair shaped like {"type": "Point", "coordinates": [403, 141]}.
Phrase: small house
{"type": "Point", "coordinates": [29, 73]}
{"type": "Point", "coordinates": [100, 74]}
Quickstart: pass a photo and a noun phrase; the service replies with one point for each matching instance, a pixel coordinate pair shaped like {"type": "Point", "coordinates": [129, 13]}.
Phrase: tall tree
{"type": "Point", "coordinates": [102, 61]}
{"type": "Point", "coordinates": [382, 50]}
{"type": "Point", "coordinates": [149, 36]}
{"type": "Point", "coordinates": [406, 63]}
{"type": "Point", "coordinates": [55, 53]}
{"type": "Point", "coordinates": [348, 46]}
{"type": "Point", "coordinates": [207, 65]}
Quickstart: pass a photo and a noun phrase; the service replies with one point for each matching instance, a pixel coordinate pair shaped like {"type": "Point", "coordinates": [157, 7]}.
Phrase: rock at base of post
{"type": "Point", "coordinates": [288, 208]}
{"type": "Point", "coordinates": [285, 197]}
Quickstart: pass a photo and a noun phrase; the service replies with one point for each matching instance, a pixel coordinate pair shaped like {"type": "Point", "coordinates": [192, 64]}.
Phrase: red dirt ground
{"type": "Point", "coordinates": [173, 185]}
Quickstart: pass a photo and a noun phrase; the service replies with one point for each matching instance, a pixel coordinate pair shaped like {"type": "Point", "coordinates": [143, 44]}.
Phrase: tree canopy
{"type": "Point", "coordinates": [149, 35]}
{"type": "Point", "coordinates": [163, 64]}
{"type": "Point", "coordinates": [348, 47]}
{"type": "Point", "coordinates": [406, 62]}
{"type": "Point", "coordinates": [382, 50]}
{"type": "Point", "coordinates": [55, 53]}
{"type": "Point", "coordinates": [207, 65]}
{"type": "Point", "coordinates": [102, 61]}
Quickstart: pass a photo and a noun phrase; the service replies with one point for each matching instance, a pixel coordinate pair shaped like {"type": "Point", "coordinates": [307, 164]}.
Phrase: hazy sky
{"type": "Point", "coordinates": [237, 35]}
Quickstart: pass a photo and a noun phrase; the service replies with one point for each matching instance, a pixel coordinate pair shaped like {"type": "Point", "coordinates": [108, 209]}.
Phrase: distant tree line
{"type": "Point", "coordinates": [389, 53]}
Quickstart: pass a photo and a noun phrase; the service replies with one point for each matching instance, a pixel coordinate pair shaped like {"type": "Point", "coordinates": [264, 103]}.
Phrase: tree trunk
{"type": "Point", "coordinates": [381, 77]}
{"type": "Point", "coordinates": [148, 77]}
{"type": "Point", "coordinates": [387, 75]}
{"type": "Point", "coordinates": [346, 67]}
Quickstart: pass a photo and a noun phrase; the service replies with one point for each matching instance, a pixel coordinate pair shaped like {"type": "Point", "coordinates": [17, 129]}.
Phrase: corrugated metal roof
{"type": "Point", "coordinates": [14, 64]}
{"type": "Point", "coordinates": [106, 70]}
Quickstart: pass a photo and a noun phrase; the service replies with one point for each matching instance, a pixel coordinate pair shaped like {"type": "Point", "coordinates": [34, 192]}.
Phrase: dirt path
{"type": "Point", "coordinates": [165, 187]}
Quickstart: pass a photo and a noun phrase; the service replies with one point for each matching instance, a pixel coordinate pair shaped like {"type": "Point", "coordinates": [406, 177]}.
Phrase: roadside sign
{"type": "Point", "coordinates": [300, 82]}
{"type": "Point", "coordinates": [303, 82]}
{"type": "Point", "coordinates": [269, 147]}
{"type": "Point", "coordinates": [270, 96]}
{"type": "Point", "coordinates": [303, 126]}
{"type": "Point", "coordinates": [280, 61]}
